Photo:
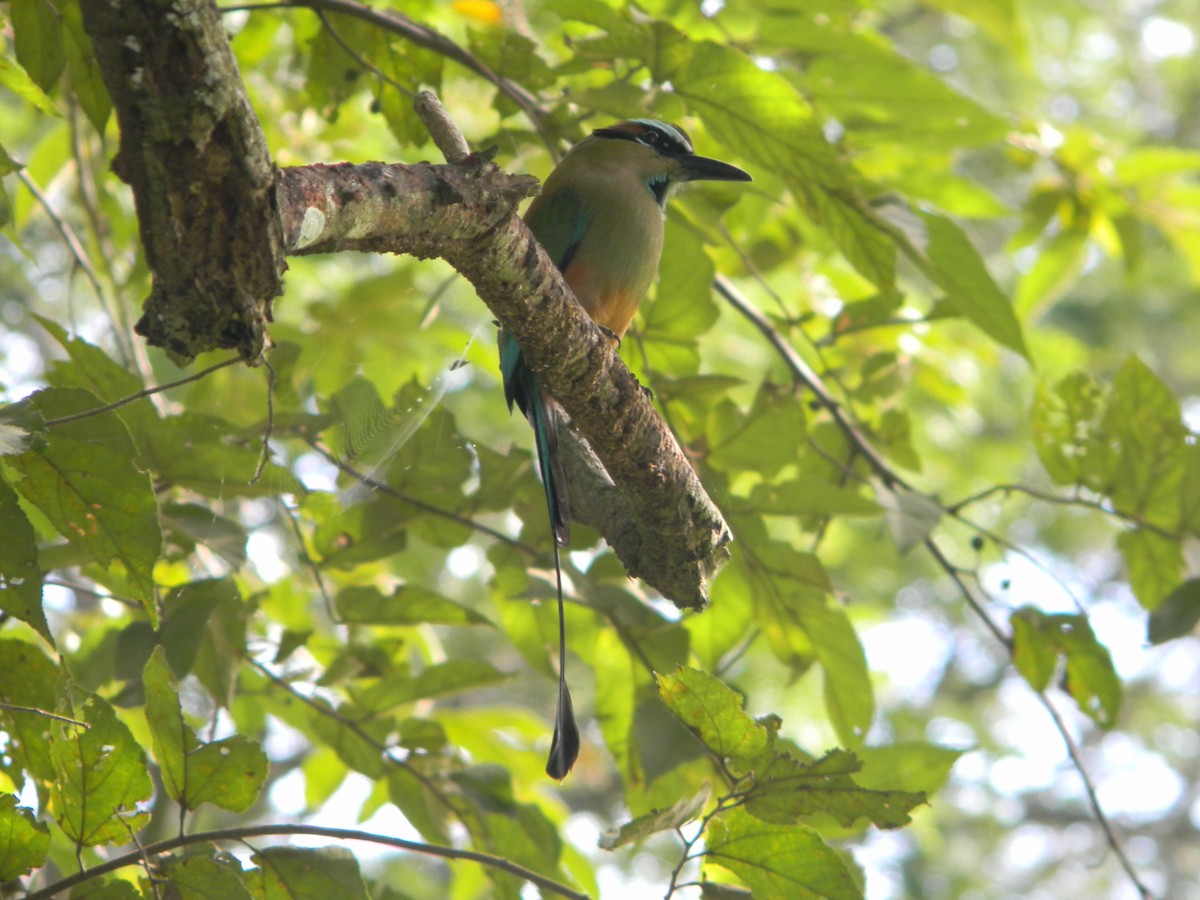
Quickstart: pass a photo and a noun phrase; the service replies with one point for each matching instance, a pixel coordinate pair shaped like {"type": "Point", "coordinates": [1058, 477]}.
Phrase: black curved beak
{"type": "Point", "coordinates": [701, 168]}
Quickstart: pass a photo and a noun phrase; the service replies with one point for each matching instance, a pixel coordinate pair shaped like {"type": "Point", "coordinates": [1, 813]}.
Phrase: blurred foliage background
{"type": "Point", "coordinates": [978, 223]}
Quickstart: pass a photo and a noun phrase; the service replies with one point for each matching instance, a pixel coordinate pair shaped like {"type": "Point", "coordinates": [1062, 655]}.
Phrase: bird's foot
{"type": "Point", "coordinates": [611, 335]}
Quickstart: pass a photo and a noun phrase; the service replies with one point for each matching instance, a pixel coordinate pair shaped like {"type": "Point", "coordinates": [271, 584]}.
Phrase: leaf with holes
{"type": "Point", "coordinates": [674, 816]}
{"type": "Point", "coordinates": [24, 841]}
{"type": "Point", "coordinates": [100, 774]}
{"type": "Point", "coordinates": [85, 482]}
{"type": "Point", "coordinates": [228, 773]}
{"type": "Point", "coordinates": [789, 789]}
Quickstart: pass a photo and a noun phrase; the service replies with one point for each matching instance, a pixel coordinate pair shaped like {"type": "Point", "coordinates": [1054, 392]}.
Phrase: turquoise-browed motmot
{"type": "Point", "coordinates": [600, 218]}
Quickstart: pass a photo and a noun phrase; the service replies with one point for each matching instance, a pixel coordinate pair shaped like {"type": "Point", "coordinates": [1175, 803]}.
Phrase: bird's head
{"type": "Point", "coordinates": [661, 155]}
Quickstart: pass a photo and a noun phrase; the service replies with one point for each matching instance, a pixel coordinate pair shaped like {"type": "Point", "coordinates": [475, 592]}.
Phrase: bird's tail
{"type": "Point", "coordinates": [544, 418]}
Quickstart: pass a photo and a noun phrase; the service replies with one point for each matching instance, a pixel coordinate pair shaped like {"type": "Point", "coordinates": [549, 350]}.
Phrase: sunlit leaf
{"type": "Point", "coordinates": [85, 482]}
{"type": "Point", "coordinates": [778, 860]}
{"type": "Point", "coordinates": [849, 697]}
{"type": "Point", "coordinates": [1089, 675]}
{"type": "Point", "coordinates": [14, 77]}
{"type": "Point", "coordinates": [788, 790]}
{"type": "Point", "coordinates": [228, 773]}
{"type": "Point", "coordinates": [100, 775]}
{"type": "Point", "coordinates": [1155, 565]}
{"type": "Point", "coordinates": [27, 679]}
{"type": "Point", "coordinates": [440, 680]}
{"type": "Point", "coordinates": [713, 711]}
{"type": "Point", "coordinates": [765, 121]}
{"type": "Point", "coordinates": [668, 819]}
{"type": "Point", "coordinates": [1034, 652]}
{"type": "Point", "coordinates": [24, 841]}
{"type": "Point", "coordinates": [959, 271]}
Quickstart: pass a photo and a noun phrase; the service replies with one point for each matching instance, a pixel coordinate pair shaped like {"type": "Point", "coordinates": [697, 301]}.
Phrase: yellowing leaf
{"type": "Point", "coordinates": [713, 711]}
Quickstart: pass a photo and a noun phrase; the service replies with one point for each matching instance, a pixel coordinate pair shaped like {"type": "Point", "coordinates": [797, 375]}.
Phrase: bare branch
{"type": "Point", "coordinates": [337, 834]}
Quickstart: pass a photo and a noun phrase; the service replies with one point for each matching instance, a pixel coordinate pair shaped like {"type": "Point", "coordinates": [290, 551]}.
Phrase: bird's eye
{"type": "Point", "coordinates": [650, 137]}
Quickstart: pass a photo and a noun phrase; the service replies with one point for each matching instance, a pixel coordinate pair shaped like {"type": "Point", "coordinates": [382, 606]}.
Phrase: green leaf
{"type": "Point", "coordinates": [1058, 264]}
{"type": "Point", "coordinates": [763, 440]}
{"type": "Point", "coordinates": [20, 575]}
{"type": "Point", "coordinates": [1144, 420]}
{"type": "Point", "coordinates": [213, 458]}
{"type": "Point", "coordinates": [778, 860]}
{"type": "Point", "coordinates": [191, 525]}
{"type": "Point", "coordinates": [1155, 565]}
{"type": "Point", "coordinates": [294, 873]}
{"type": "Point", "coordinates": [788, 789]}
{"type": "Point", "coordinates": [849, 696]}
{"type": "Point", "coordinates": [1066, 431]}
{"type": "Point", "coordinates": [228, 773]}
{"type": "Point", "coordinates": [959, 271]}
{"type": "Point", "coordinates": [440, 680]}
{"type": "Point", "coordinates": [1035, 653]}
{"type": "Point", "coordinates": [674, 816]}
{"type": "Point", "coordinates": [1089, 677]}
{"type": "Point", "coordinates": [713, 711]}
{"type": "Point", "coordinates": [100, 775]}
{"type": "Point", "coordinates": [803, 496]}
{"type": "Point", "coordinates": [1177, 615]}
{"type": "Point", "coordinates": [83, 68]}
{"type": "Point", "coordinates": [207, 877]}
{"type": "Point", "coordinates": [906, 766]}
{"type": "Point", "coordinates": [409, 789]}
{"type": "Point", "coordinates": [204, 634]}
{"type": "Point", "coordinates": [683, 306]}
{"type": "Point", "coordinates": [24, 841]}
{"type": "Point", "coordinates": [766, 121]}
{"type": "Point", "coordinates": [27, 678]}
{"type": "Point", "coordinates": [85, 482]}
{"type": "Point", "coordinates": [14, 77]}
{"type": "Point", "coordinates": [355, 735]}
{"type": "Point", "coordinates": [38, 38]}
{"type": "Point", "coordinates": [407, 605]}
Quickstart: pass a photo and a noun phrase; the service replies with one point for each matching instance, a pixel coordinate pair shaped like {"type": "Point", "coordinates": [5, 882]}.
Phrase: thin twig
{"type": "Point", "coordinates": [12, 707]}
{"type": "Point", "coordinates": [1098, 813]}
{"type": "Point", "coordinates": [423, 36]}
{"type": "Point", "coordinates": [1081, 502]}
{"type": "Point", "coordinates": [383, 749]}
{"type": "Point", "coordinates": [145, 392]}
{"type": "Point", "coordinates": [313, 565]}
{"type": "Point", "coordinates": [803, 373]}
{"type": "Point", "coordinates": [390, 491]}
{"type": "Point", "coordinates": [354, 55]}
{"type": "Point", "coordinates": [338, 834]}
